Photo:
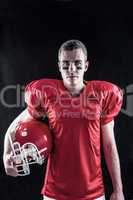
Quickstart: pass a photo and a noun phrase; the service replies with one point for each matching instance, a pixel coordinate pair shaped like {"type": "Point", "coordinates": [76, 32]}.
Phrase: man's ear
{"type": "Point", "coordinates": [87, 65]}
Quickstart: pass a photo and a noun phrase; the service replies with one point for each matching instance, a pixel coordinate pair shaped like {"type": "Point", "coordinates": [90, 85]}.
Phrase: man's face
{"type": "Point", "coordinates": [72, 65]}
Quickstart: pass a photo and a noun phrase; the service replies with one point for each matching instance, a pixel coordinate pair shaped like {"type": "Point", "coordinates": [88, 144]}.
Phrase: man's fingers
{"type": "Point", "coordinates": [11, 172]}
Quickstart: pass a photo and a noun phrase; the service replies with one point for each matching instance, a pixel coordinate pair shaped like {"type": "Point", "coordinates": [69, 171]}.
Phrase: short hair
{"type": "Point", "coordinates": [70, 45]}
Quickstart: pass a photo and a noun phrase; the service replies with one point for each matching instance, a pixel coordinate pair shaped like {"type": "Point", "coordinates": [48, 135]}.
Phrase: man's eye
{"type": "Point", "coordinates": [65, 65]}
{"type": "Point", "coordinates": [78, 63]}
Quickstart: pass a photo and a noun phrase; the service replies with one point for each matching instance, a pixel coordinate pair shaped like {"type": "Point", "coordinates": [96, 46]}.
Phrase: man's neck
{"type": "Point", "coordinates": [75, 89]}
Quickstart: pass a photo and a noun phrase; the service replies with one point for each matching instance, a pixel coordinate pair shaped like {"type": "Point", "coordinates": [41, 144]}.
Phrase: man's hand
{"type": "Point", "coordinates": [117, 196]}
{"type": "Point", "coordinates": [9, 165]}
{"type": "Point", "coordinates": [112, 160]}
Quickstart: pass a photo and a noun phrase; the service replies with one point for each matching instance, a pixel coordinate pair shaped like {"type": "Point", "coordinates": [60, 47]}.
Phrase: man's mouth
{"type": "Point", "coordinates": [73, 76]}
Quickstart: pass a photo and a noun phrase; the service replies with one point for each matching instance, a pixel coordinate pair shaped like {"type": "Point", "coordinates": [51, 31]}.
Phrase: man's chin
{"type": "Point", "coordinates": [73, 82]}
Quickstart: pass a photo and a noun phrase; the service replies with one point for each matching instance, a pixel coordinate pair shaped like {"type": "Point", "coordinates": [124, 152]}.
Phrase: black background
{"type": "Point", "coordinates": [30, 34]}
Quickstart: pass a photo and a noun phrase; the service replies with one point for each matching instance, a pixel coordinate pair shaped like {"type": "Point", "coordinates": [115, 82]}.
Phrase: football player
{"type": "Point", "coordinates": [81, 114]}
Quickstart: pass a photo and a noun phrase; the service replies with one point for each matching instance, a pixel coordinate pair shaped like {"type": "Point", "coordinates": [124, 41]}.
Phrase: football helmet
{"type": "Point", "coordinates": [32, 144]}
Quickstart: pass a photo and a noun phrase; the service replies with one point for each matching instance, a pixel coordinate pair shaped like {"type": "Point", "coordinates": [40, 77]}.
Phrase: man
{"type": "Point", "coordinates": [77, 110]}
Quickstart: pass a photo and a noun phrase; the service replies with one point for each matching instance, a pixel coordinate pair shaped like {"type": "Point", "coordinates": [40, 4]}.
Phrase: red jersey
{"type": "Point", "coordinates": [74, 166]}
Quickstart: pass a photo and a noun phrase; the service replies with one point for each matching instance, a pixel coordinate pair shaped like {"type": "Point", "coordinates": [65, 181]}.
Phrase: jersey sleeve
{"type": "Point", "coordinates": [33, 99]}
{"type": "Point", "coordinates": [111, 104]}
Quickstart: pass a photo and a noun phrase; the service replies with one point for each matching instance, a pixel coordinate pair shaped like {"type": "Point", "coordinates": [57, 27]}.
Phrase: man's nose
{"type": "Point", "coordinates": [72, 67]}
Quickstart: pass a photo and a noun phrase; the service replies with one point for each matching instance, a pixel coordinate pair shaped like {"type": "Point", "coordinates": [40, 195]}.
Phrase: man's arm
{"type": "Point", "coordinates": [112, 160]}
{"type": "Point", "coordinates": [10, 133]}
